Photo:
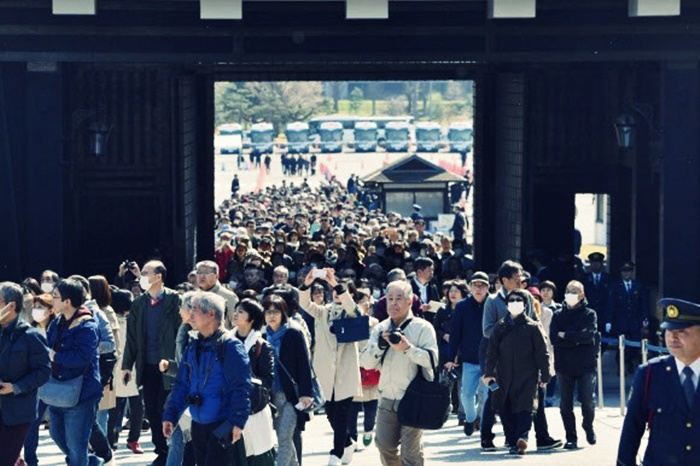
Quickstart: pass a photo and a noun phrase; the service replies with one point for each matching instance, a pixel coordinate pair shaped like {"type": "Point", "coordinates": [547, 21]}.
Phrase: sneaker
{"type": "Point", "coordinates": [487, 445]}
{"type": "Point", "coordinates": [590, 437]}
{"type": "Point", "coordinates": [367, 438]}
{"type": "Point", "coordinates": [521, 446]}
{"type": "Point", "coordinates": [570, 445]}
{"type": "Point", "coordinates": [468, 429]}
{"type": "Point", "coordinates": [461, 422]}
{"type": "Point", "coordinates": [548, 444]}
{"type": "Point", "coordinates": [334, 461]}
{"type": "Point", "coordinates": [349, 452]}
{"type": "Point", "coordinates": [513, 451]}
{"type": "Point", "coordinates": [134, 447]}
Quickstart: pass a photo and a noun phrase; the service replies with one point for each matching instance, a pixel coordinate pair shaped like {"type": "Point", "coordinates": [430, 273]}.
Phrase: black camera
{"type": "Point", "coordinates": [129, 264]}
{"type": "Point", "coordinates": [394, 338]}
{"type": "Point", "coordinates": [450, 377]}
{"type": "Point", "coordinates": [194, 400]}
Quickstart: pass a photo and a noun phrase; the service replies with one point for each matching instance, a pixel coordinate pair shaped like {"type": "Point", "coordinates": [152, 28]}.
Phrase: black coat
{"type": "Point", "coordinates": [598, 296]}
{"type": "Point", "coordinates": [517, 357]}
{"type": "Point", "coordinates": [576, 353]}
{"type": "Point", "coordinates": [627, 311]}
{"type": "Point", "coordinates": [262, 365]}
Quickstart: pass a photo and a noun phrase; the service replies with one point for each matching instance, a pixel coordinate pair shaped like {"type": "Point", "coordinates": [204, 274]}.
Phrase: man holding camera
{"type": "Point", "coordinates": [399, 346]}
{"type": "Point", "coordinates": [213, 382]}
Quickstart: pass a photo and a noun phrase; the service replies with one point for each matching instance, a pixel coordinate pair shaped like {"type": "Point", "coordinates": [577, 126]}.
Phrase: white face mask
{"type": "Point", "coordinates": [47, 287]}
{"type": "Point", "coordinates": [39, 314]}
{"type": "Point", "coordinates": [376, 293]}
{"type": "Point", "coordinates": [571, 299]}
{"type": "Point", "coordinates": [144, 283]}
{"type": "Point", "coordinates": [516, 308]}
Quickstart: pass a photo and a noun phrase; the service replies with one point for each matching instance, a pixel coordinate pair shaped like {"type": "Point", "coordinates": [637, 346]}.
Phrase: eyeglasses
{"type": "Point", "coordinates": [54, 296]}
{"type": "Point", "coordinates": [204, 272]}
{"type": "Point", "coordinates": [273, 312]}
{"type": "Point", "coordinates": [516, 300]}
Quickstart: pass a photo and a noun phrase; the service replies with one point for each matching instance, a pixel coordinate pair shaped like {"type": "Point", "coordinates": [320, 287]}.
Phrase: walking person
{"type": "Point", "coordinates": [335, 363]}
{"type": "Point", "coordinates": [575, 340]}
{"type": "Point", "coordinates": [517, 360]}
{"type": "Point", "coordinates": [24, 367]}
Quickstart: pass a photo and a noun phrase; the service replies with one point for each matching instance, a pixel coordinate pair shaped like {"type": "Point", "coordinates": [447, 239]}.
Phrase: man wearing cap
{"type": "Point", "coordinates": [465, 339]}
{"type": "Point", "coordinates": [597, 283]}
{"type": "Point", "coordinates": [628, 312]}
{"type": "Point", "coordinates": [664, 395]}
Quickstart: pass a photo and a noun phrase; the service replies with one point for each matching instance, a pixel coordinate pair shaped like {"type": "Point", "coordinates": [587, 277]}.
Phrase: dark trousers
{"type": "Point", "coordinates": [11, 441]}
{"type": "Point", "coordinates": [154, 396]}
{"type": "Point", "coordinates": [98, 442]}
{"type": "Point", "coordinates": [31, 442]}
{"type": "Point", "coordinates": [208, 451]}
{"type": "Point", "coordinates": [515, 425]}
{"type": "Point", "coordinates": [337, 414]}
{"type": "Point", "coordinates": [540, 418]}
{"type": "Point", "coordinates": [567, 384]}
{"type": "Point", "coordinates": [298, 444]}
{"type": "Point", "coordinates": [370, 409]}
{"type": "Point", "coordinates": [116, 417]}
{"type": "Point", "coordinates": [488, 419]}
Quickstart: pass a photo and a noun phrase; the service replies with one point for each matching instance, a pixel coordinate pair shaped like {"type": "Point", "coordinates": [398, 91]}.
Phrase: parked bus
{"type": "Point", "coordinates": [427, 136]}
{"type": "Point", "coordinates": [459, 137]}
{"type": "Point", "coordinates": [331, 134]}
{"type": "Point", "coordinates": [397, 136]}
{"type": "Point", "coordinates": [298, 138]}
{"type": "Point", "coordinates": [261, 138]}
{"type": "Point", "coordinates": [348, 122]}
{"type": "Point", "coordinates": [365, 136]}
{"type": "Point", "coordinates": [230, 138]}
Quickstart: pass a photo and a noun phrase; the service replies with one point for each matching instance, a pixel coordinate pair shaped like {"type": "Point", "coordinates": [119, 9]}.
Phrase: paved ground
{"type": "Point", "coordinates": [446, 446]}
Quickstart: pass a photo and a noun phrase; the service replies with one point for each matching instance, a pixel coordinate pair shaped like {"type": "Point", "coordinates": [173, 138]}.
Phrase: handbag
{"type": "Point", "coordinates": [259, 396]}
{"type": "Point", "coordinates": [318, 400]}
{"type": "Point", "coordinates": [426, 404]}
{"type": "Point", "coordinates": [349, 330]}
{"type": "Point", "coordinates": [369, 377]}
{"type": "Point", "coordinates": [61, 393]}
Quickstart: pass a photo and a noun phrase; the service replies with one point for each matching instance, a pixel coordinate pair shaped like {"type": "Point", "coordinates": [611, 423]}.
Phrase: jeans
{"type": "Point", "coordinates": [337, 414]}
{"type": "Point", "coordinates": [31, 442]}
{"type": "Point", "coordinates": [207, 449]}
{"type": "Point", "coordinates": [471, 382]}
{"type": "Point", "coordinates": [70, 429]}
{"type": "Point", "coordinates": [586, 384]}
{"type": "Point", "coordinates": [370, 410]}
{"type": "Point", "coordinates": [285, 423]}
{"type": "Point", "coordinates": [391, 435]}
{"type": "Point", "coordinates": [154, 396]}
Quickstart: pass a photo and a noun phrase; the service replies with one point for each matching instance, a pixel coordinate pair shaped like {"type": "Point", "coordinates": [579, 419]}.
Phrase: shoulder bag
{"type": "Point", "coordinates": [425, 405]}
{"type": "Point", "coordinates": [350, 329]}
{"type": "Point", "coordinates": [317, 394]}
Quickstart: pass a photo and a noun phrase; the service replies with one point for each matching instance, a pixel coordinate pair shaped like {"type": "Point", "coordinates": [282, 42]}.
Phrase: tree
{"type": "Point", "coordinates": [410, 90]}
{"type": "Point", "coordinates": [356, 100]}
{"type": "Point", "coordinates": [397, 106]}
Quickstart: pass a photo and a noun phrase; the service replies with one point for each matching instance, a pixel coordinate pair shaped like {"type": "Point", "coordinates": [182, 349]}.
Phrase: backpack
{"type": "Point", "coordinates": [259, 394]}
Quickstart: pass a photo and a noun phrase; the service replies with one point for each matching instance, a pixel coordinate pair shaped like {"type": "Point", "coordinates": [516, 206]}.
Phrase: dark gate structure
{"type": "Point", "coordinates": [548, 89]}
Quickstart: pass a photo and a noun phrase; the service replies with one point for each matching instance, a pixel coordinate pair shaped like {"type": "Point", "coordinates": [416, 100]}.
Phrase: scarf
{"type": "Point", "coordinates": [275, 340]}
{"type": "Point", "coordinates": [250, 339]}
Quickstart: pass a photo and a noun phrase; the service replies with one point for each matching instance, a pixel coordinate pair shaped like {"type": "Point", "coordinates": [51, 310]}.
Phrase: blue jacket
{"type": "Point", "coordinates": [24, 362]}
{"type": "Point", "coordinates": [76, 352]}
{"type": "Point", "coordinates": [466, 332]}
{"type": "Point", "coordinates": [224, 386]}
{"type": "Point", "coordinates": [674, 429]}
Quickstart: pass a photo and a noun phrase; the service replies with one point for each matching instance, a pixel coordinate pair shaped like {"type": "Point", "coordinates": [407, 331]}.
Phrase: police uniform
{"type": "Point", "coordinates": [658, 401]}
{"type": "Point", "coordinates": [597, 288]}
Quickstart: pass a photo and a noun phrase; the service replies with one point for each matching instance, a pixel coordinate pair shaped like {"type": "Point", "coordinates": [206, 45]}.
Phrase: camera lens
{"type": "Point", "coordinates": [395, 338]}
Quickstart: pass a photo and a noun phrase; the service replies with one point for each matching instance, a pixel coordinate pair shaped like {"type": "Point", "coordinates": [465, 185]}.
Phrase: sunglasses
{"type": "Point", "coordinates": [516, 300]}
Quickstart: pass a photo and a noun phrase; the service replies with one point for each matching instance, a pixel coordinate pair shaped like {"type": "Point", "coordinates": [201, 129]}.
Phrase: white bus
{"type": "Point", "coordinates": [229, 139]}
{"type": "Point", "coordinates": [297, 138]}
{"type": "Point", "coordinates": [331, 134]}
{"type": "Point", "coordinates": [365, 136]}
{"type": "Point", "coordinates": [428, 137]}
{"type": "Point", "coordinates": [397, 136]}
{"type": "Point", "coordinates": [460, 137]}
{"type": "Point", "coordinates": [262, 138]}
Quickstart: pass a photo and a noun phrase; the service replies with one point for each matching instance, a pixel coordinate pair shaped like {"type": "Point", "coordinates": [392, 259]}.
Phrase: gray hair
{"type": "Point", "coordinates": [281, 269]}
{"type": "Point", "coordinates": [187, 300]}
{"type": "Point", "coordinates": [209, 264]}
{"type": "Point", "coordinates": [209, 301]}
{"type": "Point", "coordinates": [12, 292]}
{"type": "Point", "coordinates": [402, 286]}
{"type": "Point", "coordinates": [396, 274]}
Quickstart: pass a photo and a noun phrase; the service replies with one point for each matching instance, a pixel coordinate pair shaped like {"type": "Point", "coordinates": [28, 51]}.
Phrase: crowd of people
{"type": "Point", "coordinates": [230, 364]}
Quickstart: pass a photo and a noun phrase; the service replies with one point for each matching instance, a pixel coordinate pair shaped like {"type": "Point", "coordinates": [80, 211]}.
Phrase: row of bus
{"type": "Point", "coordinates": [334, 133]}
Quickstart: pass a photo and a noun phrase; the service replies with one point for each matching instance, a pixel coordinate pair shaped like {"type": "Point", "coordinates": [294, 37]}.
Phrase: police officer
{"type": "Point", "coordinates": [597, 283]}
{"type": "Point", "coordinates": [665, 396]}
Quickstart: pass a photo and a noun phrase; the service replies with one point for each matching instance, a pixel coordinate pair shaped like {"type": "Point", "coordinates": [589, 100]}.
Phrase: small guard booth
{"type": "Point", "coordinates": [413, 180]}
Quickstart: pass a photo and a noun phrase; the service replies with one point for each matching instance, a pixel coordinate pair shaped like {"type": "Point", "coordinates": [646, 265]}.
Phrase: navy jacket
{"type": "Point", "coordinates": [576, 353]}
{"type": "Point", "coordinates": [674, 432]}
{"type": "Point", "coordinates": [76, 352]}
{"type": "Point", "coordinates": [224, 386]}
{"type": "Point", "coordinates": [24, 362]}
{"type": "Point", "coordinates": [466, 333]}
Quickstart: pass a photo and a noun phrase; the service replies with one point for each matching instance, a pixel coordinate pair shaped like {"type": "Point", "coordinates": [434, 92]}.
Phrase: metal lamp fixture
{"type": "Point", "coordinates": [98, 135]}
{"type": "Point", "coordinates": [626, 131]}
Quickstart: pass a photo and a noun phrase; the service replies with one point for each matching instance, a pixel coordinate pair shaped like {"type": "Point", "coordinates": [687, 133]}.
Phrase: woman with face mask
{"type": "Point", "coordinates": [517, 362]}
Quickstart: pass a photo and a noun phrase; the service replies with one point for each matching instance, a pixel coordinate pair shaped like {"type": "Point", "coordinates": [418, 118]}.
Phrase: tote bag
{"type": "Point", "coordinates": [426, 404]}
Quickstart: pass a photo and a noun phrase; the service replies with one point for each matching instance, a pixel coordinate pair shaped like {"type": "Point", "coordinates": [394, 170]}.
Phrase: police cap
{"type": "Point", "coordinates": [679, 313]}
{"type": "Point", "coordinates": [596, 257]}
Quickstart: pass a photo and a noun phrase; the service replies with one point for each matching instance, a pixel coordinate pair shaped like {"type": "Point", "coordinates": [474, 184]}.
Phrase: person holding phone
{"type": "Point", "coordinates": [517, 360]}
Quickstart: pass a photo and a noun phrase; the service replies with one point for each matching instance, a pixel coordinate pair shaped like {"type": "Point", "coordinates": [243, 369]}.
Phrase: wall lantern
{"type": "Point", "coordinates": [98, 135]}
{"type": "Point", "coordinates": [626, 131]}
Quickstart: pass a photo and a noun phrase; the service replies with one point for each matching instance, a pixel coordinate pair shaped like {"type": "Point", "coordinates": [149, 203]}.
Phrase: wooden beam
{"type": "Point", "coordinates": [511, 9]}
{"type": "Point", "coordinates": [654, 8]}
{"type": "Point", "coordinates": [367, 9]}
{"type": "Point", "coordinates": [221, 9]}
{"type": "Point", "coordinates": [74, 7]}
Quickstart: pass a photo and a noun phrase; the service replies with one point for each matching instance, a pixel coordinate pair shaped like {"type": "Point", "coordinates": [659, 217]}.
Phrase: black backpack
{"type": "Point", "coordinates": [259, 394]}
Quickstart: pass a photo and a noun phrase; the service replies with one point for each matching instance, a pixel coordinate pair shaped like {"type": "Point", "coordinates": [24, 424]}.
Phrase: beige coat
{"type": "Point", "coordinates": [231, 302]}
{"type": "Point", "coordinates": [368, 393]}
{"type": "Point", "coordinates": [336, 364]}
{"type": "Point", "coordinates": [109, 395]}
